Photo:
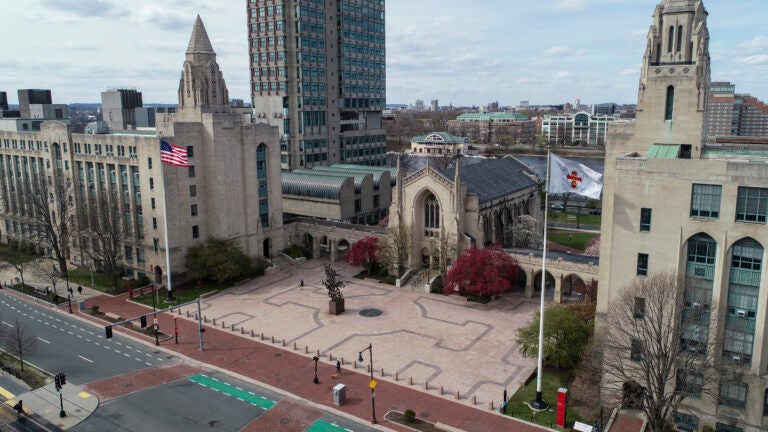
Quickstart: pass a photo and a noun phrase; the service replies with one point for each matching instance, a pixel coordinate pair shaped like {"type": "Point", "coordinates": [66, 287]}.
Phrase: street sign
{"type": "Point", "coordinates": [372, 384]}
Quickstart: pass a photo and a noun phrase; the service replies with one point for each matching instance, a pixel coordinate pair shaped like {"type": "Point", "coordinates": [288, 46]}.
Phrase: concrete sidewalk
{"type": "Point", "coordinates": [291, 371]}
{"type": "Point", "coordinates": [45, 403]}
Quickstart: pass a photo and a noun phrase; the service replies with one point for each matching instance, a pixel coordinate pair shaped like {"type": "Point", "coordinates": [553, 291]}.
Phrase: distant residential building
{"type": "Point", "coordinates": [733, 114]}
{"type": "Point", "coordinates": [433, 104]}
{"type": "Point", "coordinates": [488, 127]}
{"type": "Point", "coordinates": [418, 105]}
{"type": "Point", "coordinates": [440, 143]}
{"type": "Point", "coordinates": [577, 129]}
{"type": "Point", "coordinates": [604, 109]}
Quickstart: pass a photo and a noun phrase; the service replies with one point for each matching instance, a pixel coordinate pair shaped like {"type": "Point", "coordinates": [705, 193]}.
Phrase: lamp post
{"type": "Point", "coordinates": [157, 339]}
{"type": "Point", "coordinates": [316, 358]}
{"type": "Point", "coordinates": [372, 384]}
{"type": "Point", "coordinates": [69, 294]}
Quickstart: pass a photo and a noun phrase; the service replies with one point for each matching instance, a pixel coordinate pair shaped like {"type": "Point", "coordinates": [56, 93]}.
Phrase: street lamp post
{"type": "Point", "coordinates": [157, 338]}
{"type": "Point", "coordinates": [316, 358]}
{"type": "Point", "coordinates": [69, 294]}
{"type": "Point", "coordinates": [372, 384]}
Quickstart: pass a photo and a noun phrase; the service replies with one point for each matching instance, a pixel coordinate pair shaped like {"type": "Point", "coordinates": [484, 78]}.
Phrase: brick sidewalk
{"type": "Point", "coordinates": [293, 373]}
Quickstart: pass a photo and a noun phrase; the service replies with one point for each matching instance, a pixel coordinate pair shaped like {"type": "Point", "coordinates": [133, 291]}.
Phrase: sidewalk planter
{"type": "Point", "coordinates": [335, 307]}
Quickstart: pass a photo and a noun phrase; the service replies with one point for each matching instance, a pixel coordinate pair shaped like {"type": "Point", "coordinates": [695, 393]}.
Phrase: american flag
{"type": "Point", "coordinates": [173, 155]}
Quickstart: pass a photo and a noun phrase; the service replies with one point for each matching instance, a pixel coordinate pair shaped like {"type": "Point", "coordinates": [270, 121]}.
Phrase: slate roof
{"type": "Point", "coordinates": [491, 179]}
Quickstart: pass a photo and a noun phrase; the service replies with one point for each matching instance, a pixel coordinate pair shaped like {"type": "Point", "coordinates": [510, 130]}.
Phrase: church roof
{"type": "Point", "coordinates": [679, 5]}
{"type": "Point", "coordinates": [199, 42]}
{"type": "Point", "coordinates": [491, 179]}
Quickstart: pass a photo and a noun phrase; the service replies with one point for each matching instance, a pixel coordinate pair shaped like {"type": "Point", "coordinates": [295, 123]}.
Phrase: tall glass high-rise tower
{"type": "Point", "coordinates": [318, 71]}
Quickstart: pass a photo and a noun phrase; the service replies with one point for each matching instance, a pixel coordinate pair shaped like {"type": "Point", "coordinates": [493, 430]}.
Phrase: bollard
{"type": "Point", "coordinates": [205, 319]}
{"type": "Point", "coordinates": [368, 369]}
{"type": "Point", "coordinates": [426, 385]}
{"type": "Point", "coordinates": [273, 339]}
{"type": "Point", "coordinates": [214, 321]}
{"type": "Point", "coordinates": [242, 330]}
{"type": "Point", "coordinates": [491, 404]}
{"type": "Point", "coordinates": [196, 317]}
{"type": "Point", "coordinates": [457, 395]}
{"type": "Point", "coordinates": [318, 353]}
{"type": "Point", "coordinates": [187, 313]}
{"type": "Point", "coordinates": [342, 361]}
{"type": "Point", "coordinates": [330, 357]}
{"type": "Point", "coordinates": [396, 378]}
{"type": "Point", "coordinates": [441, 391]}
{"type": "Point", "coordinates": [283, 342]}
{"type": "Point", "coordinates": [261, 335]}
{"type": "Point", "coordinates": [474, 400]}
{"type": "Point", "coordinates": [232, 327]}
{"type": "Point", "coordinates": [382, 371]}
{"type": "Point", "coordinates": [355, 365]}
{"type": "Point", "coordinates": [294, 346]}
{"type": "Point", "coordinates": [251, 332]}
{"type": "Point", "coordinates": [306, 349]}
{"type": "Point", "coordinates": [222, 324]}
{"type": "Point", "coordinates": [410, 380]}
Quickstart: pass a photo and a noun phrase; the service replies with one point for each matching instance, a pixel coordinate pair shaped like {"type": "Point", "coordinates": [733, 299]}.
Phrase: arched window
{"type": "Point", "coordinates": [741, 310]}
{"type": "Point", "coordinates": [431, 215]}
{"type": "Point", "coordinates": [699, 281]}
{"type": "Point", "coordinates": [658, 53]}
{"type": "Point", "coordinates": [679, 38]}
{"type": "Point", "coordinates": [261, 175]}
{"type": "Point", "coordinates": [670, 103]}
{"type": "Point", "coordinates": [671, 38]}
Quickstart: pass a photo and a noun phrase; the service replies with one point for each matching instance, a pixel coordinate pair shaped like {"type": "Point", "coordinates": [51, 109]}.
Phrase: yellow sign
{"type": "Point", "coordinates": [372, 384]}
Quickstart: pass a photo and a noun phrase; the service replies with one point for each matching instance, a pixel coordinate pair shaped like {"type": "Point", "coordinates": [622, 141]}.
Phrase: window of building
{"type": "Point", "coordinates": [645, 219]}
{"type": "Point", "coordinates": [193, 209]}
{"type": "Point", "coordinates": [191, 171]}
{"type": "Point", "coordinates": [152, 203]}
{"type": "Point", "coordinates": [671, 41]}
{"type": "Point", "coordinates": [431, 215]}
{"type": "Point", "coordinates": [151, 183]}
{"type": "Point", "coordinates": [156, 244]}
{"type": "Point", "coordinates": [705, 201]}
{"type": "Point", "coordinates": [639, 309]}
{"type": "Point", "coordinates": [190, 152]}
{"type": "Point", "coordinates": [686, 422]}
{"type": "Point", "coordinates": [752, 204]}
{"type": "Point", "coordinates": [720, 427]}
{"type": "Point", "coordinates": [733, 394]}
{"type": "Point", "coordinates": [149, 163]}
{"type": "Point", "coordinates": [195, 232]}
{"type": "Point", "coordinates": [742, 303]}
{"type": "Point", "coordinates": [636, 353]}
{"type": "Point", "coordinates": [192, 190]}
{"type": "Point", "coordinates": [670, 103]}
{"type": "Point", "coordinates": [690, 382]}
{"type": "Point", "coordinates": [642, 264]}
{"type": "Point", "coordinates": [679, 38]}
{"type": "Point", "coordinates": [154, 223]}
{"type": "Point", "coordinates": [765, 403]}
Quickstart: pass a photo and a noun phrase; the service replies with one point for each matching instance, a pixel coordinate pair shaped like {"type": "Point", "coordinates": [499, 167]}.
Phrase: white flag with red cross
{"type": "Point", "coordinates": [569, 176]}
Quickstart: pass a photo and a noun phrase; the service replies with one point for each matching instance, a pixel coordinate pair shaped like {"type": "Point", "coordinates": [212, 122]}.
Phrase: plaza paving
{"type": "Point", "coordinates": [429, 340]}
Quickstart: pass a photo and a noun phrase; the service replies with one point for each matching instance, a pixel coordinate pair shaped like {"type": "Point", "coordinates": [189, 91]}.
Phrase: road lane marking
{"type": "Point", "coordinates": [86, 359]}
{"type": "Point", "coordinates": [6, 394]}
{"type": "Point", "coordinates": [9, 325]}
{"type": "Point", "coordinates": [43, 339]}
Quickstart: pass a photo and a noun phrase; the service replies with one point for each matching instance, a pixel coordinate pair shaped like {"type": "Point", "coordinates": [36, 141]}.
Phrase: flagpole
{"type": "Point", "coordinates": [539, 403]}
{"type": "Point", "coordinates": [167, 246]}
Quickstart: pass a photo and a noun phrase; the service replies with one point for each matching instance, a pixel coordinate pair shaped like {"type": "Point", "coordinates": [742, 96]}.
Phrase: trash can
{"type": "Point", "coordinates": [81, 305]}
{"type": "Point", "coordinates": [339, 394]}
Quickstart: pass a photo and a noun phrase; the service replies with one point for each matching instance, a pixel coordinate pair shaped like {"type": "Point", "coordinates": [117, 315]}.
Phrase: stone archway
{"type": "Point", "coordinates": [574, 285]}
{"type": "Point", "coordinates": [343, 247]}
{"type": "Point", "coordinates": [550, 281]}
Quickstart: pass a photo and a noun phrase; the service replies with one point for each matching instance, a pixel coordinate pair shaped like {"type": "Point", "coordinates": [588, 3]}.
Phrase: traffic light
{"type": "Point", "coordinates": [63, 379]}
{"type": "Point", "coordinates": [57, 381]}
{"type": "Point", "coordinates": [109, 331]}
{"type": "Point", "coordinates": [143, 321]}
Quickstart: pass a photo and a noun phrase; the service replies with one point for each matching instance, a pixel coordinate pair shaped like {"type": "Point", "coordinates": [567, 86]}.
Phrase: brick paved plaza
{"type": "Point", "coordinates": [427, 338]}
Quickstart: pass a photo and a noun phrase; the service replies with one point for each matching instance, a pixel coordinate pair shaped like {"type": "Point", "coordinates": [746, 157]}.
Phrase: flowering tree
{"type": "Point", "coordinates": [364, 253]}
{"type": "Point", "coordinates": [593, 247]}
{"type": "Point", "coordinates": [485, 272]}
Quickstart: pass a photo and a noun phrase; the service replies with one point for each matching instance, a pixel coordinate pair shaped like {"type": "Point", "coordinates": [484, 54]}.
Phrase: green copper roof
{"type": "Point", "coordinates": [439, 137]}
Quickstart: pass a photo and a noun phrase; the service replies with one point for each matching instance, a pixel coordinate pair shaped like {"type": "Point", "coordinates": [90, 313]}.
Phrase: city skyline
{"type": "Point", "coordinates": [450, 50]}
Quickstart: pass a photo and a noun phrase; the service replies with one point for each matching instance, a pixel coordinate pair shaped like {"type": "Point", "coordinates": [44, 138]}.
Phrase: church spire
{"type": "Point", "coordinates": [199, 43]}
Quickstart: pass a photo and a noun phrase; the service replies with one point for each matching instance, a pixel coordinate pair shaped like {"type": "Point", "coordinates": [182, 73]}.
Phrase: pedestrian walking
{"type": "Point", "coordinates": [79, 290]}
{"type": "Point", "coordinates": [338, 367]}
{"type": "Point", "coordinates": [301, 282]}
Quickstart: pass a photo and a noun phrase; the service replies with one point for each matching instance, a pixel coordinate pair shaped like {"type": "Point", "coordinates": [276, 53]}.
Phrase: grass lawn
{"type": "Point", "coordinates": [575, 240]}
{"type": "Point", "coordinates": [103, 282]}
{"type": "Point", "coordinates": [13, 255]}
{"type": "Point", "coordinates": [583, 219]}
{"type": "Point", "coordinates": [183, 293]}
{"type": "Point", "coordinates": [552, 379]}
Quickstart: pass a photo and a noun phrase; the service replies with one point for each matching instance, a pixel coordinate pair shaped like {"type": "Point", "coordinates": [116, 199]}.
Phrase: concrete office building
{"type": "Point", "coordinates": [493, 127]}
{"type": "Point", "coordinates": [29, 97]}
{"type": "Point", "coordinates": [3, 101]}
{"type": "Point", "coordinates": [671, 202]}
{"type": "Point", "coordinates": [118, 108]}
{"type": "Point", "coordinates": [318, 73]}
{"type": "Point", "coordinates": [577, 129]}
{"type": "Point", "coordinates": [244, 206]}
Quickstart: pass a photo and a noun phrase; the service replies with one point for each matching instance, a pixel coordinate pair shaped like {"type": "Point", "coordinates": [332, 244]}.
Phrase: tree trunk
{"type": "Point", "coordinates": [63, 266]}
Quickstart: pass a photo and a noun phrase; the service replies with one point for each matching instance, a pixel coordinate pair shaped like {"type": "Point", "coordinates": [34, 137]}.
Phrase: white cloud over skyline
{"type": "Point", "coordinates": [460, 52]}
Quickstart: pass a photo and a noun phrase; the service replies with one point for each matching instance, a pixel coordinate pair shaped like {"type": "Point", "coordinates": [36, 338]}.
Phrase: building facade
{"type": "Point", "coordinates": [671, 202]}
{"type": "Point", "coordinates": [733, 114]}
{"type": "Point", "coordinates": [441, 144]}
{"type": "Point", "coordinates": [493, 127]}
{"type": "Point", "coordinates": [122, 173]}
{"type": "Point", "coordinates": [318, 73]}
{"type": "Point", "coordinates": [118, 108]}
{"type": "Point", "coordinates": [577, 129]}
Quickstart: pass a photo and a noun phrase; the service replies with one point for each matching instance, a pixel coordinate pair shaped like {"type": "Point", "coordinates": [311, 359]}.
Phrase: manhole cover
{"type": "Point", "coordinates": [370, 312]}
{"type": "Point", "coordinates": [285, 420]}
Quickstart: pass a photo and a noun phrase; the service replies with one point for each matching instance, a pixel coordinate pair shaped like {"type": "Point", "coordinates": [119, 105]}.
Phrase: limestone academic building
{"type": "Point", "coordinates": [674, 203]}
{"type": "Point", "coordinates": [231, 190]}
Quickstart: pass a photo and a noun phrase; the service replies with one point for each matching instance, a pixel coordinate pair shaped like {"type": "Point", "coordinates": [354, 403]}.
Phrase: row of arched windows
{"type": "Point", "coordinates": [671, 40]}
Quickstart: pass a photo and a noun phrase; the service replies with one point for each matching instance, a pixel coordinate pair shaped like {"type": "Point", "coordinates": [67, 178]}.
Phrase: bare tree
{"type": "Point", "coordinates": [21, 341]}
{"type": "Point", "coordinates": [658, 347]}
{"type": "Point", "coordinates": [440, 249]}
{"type": "Point", "coordinates": [51, 214]}
{"type": "Point", "coordinates": [396, 247]}
{"type": "Point", "coordinates": [524, 233]}
{"type": "Point", "coordinates": [20, 266]}
{"type": "Point", "coordinates": [107, 232]}
{"type": "Point", "coordinates": [52, 274]}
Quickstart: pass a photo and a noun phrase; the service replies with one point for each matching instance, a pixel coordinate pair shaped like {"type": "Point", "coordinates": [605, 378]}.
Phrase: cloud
{"type": "Point", "coordinates": [757, 43]}
{"type": "Point", "coordinates": [564, 51]}
{"type": "Point", "coordinates": [755, 59]}
{"type": "Point", "coordinates": [85, 8]}
{"type": "Point", "coordinates": [630, 71]}
{"type": "Point", "coordinates": [571, 5]}
{"type": "Point", "coordinates": [163, 18]}
{"type": "Point", "coordinates": [563, 75]}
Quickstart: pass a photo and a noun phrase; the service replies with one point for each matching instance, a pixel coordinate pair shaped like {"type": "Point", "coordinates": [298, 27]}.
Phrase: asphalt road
{"type": "Point", "coordinates": [78, 349]}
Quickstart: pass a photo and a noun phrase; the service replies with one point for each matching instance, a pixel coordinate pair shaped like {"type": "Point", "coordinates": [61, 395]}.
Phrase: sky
{"type": "Point", "coordinates": [460, 52]}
